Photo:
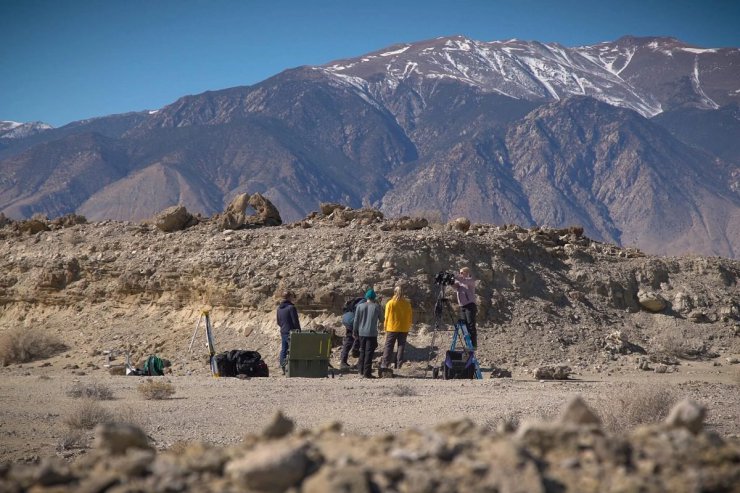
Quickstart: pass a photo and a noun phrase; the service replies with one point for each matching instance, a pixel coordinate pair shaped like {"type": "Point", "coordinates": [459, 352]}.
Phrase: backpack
{"type": "Point", "coordinates": [351, 304]}
{"type": "Point", "coordinates": [153, 366]}
{"type": "Point", "coordinates": [348, 317]}
{"type": "Point", "coordinates": [241, 362]}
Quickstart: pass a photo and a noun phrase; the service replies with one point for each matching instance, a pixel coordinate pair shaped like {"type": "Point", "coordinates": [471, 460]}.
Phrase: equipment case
{"type": "Point", "coordinates": [455, 366]}
{"type": "Point", "coordinates": [308, 354]}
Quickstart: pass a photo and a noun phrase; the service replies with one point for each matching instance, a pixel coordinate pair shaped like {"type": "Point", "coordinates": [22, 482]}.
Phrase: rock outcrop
{"type": "Point", "coordinates": [235, 216]}
{"type": "Point", "coordinates": [175, 218]}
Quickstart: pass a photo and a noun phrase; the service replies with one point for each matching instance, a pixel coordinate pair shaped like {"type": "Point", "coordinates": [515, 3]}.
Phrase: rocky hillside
{"type": "Point", "coordinates": [545, 295]}
{"type": "Point", "coordinates": [440, 127]}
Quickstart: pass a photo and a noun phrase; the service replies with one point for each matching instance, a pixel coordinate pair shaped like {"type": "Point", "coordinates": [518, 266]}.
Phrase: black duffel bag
{"type": "Point", "coordinates": [224, 365]}
{"type": "Point", "coordinates": [241, 362]}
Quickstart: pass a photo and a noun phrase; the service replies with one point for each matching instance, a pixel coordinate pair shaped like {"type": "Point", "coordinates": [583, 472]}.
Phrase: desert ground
{"type": "Point", "coordinates": [36, 404]}
{"type": "Point", "coordinates": [638, 334]}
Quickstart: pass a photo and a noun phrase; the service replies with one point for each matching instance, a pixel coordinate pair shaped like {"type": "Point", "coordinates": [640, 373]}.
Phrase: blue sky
{"type": "Point", "coordinates": [62, 61]}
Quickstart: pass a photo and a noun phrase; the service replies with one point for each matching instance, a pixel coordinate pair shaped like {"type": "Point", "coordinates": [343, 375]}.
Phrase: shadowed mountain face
{"type": "Point", "coordinates": [503, 132]}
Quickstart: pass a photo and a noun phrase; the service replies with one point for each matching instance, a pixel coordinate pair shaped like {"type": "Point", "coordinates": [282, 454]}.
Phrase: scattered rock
{"type": "Point", "coordinates": [270, 467]}
{"type": "Point", "coordinates": [280, 426]}
{"type": "Point", "coordinates": [175, 218]}
{"type": "Point", "coordinates": [117, 438]}
{"type": "Point", "coordinates": [698, 316]}
{"type": "Point", "coordinates": [460, 224]}
{"type": "Point", "coordinates": [651, 301]}
{"type": "Point", "coordinates": [687, 414]}
{"type": "Point", "coordinates": [661, 369]}
{"type": "Point", "coordinates": [616, 343]}
{"type": "Point", "coordinates": [350, 479]}
{"type": "Point", "coordinates": [644, 364]}
{"type": "Point", "coordinates": [500, 373]}
{"type": "Point", "coordinates": [683, 302]}
{"type": "Point", "coordinates": [552, 372]}
{"type": "Point", "coordinates": [579, 414]}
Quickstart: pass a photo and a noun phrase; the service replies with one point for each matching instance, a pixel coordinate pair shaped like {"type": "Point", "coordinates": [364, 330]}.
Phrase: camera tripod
{"type": "Point", "coordinates": [460, 334]}
{"type": "Point", "coordinates": [205, 314]}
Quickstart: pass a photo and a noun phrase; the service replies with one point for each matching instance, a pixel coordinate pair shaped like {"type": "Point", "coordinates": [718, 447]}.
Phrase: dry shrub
{"type": "Point", "coordinates": [402, 390]}
{"type": "Point", "coordinates": [133, 415]}
{"type": "Point", "coordinates": [681, 343]}
{"type": "Point", "coordinates": [156, 389]}
{"type": "Point", "coordinates": [20, 345]}
{"type": "Point", "coordinates": [179, 447]}
{"type": "Point", "coordinates": [87, 415]}
{"type": "Point", "coordinates": [641, 405]}
{"type": "Point", "coordinates": [72, 439]}
{"type": "Point", "coordinates": [507, 422]}
{"type": "Point", "coordinates": [92, 390]}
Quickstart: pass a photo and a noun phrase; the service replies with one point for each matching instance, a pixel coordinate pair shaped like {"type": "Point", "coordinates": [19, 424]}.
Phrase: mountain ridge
{"type": "Point", "coordinates": [373, 133]}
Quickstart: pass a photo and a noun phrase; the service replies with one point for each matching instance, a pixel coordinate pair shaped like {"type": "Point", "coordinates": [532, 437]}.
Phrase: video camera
{"type": "Point", "coordinates": [444, 278]}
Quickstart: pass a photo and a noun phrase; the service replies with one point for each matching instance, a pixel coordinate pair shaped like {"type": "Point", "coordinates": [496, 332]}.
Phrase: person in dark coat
{"type": "Point", "coordinates": [351, 341]}
{"type": "Point", "coordinates": [287, 320]}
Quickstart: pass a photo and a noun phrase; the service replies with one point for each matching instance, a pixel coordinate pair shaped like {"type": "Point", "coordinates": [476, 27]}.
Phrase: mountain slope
{"type": "Point", "coordinates": [618, 174]}
{"type": "Point", "coordinates": [506, 131]}
{"type": "Point", "coordinates": [578, 161]}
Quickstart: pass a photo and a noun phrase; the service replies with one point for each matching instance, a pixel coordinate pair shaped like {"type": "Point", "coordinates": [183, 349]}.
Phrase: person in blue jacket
{"type": "Point", "coordinates": [287, 320]}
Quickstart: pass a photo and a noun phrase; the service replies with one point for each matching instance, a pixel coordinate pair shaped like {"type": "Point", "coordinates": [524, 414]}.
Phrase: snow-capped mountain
{"type": "Point", "coordinates": [648, 75]}
{"type": "Point", "coordinates": [15, 130]}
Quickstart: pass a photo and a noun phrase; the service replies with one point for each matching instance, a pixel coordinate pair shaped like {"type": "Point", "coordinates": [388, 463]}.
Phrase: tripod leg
{"type": "Point", "coordinates": [211, 346]}
{"type": "Point", "coordinates": [429, 356]}
{"type": "Point", "coordinates": [195, 332]}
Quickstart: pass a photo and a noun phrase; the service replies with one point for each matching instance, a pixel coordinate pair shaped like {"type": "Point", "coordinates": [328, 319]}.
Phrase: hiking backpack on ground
{"type": "Point", "coordinates": [241, 362]}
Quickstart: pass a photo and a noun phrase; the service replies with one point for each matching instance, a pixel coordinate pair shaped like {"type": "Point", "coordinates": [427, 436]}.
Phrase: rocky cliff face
{"type": "Point", "coordinates": [446, 127]}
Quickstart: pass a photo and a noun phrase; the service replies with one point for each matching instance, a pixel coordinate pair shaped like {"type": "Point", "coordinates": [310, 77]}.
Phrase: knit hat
{"type": "Point", "coordinates": [370, 295]}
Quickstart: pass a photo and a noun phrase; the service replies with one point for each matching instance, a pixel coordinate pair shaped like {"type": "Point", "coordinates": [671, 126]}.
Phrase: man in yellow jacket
{"type": "Point", "coordinates": [397, 325]}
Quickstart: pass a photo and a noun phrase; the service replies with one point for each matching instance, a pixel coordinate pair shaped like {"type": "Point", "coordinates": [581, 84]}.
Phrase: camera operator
{"type": "Point", "coordinates": [465, 287]}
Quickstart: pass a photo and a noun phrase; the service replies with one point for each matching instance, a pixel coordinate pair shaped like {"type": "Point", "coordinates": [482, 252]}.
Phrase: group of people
{"type": "Point", "coordinates": [362, 324]}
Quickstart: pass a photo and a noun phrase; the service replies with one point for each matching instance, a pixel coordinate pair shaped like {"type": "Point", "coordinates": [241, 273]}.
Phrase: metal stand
{"type": "Point", "coordinates": [460, 332]}
{"type": "Point", "coordinates": [205, 315]}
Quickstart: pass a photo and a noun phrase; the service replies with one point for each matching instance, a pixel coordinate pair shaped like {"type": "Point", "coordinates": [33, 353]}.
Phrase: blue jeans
{"type": "Point", "coordinates": [284, 348]}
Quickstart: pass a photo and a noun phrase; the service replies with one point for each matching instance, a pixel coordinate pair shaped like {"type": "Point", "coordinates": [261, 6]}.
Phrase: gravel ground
{"type": "Point", "coordinates": [35, 404]}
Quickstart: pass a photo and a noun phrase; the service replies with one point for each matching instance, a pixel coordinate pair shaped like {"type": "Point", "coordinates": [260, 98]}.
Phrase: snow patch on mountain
{"type": "Point", "coordinates": [397, 52]}
{"type": "Point", "coordinates": [699, 50]}
{"type": "Point", "coordinates": [16, 130]}
{"type": "Point", "coordinates": [697, 86]}
{"type": "Point", "coordinates": [7, 125]}
{"type": "Point", "coordinates": [518, 69]}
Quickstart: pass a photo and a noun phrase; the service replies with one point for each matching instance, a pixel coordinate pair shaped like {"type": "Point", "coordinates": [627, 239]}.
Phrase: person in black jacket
{"type": "Point", "coordinates": [287, 320]}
